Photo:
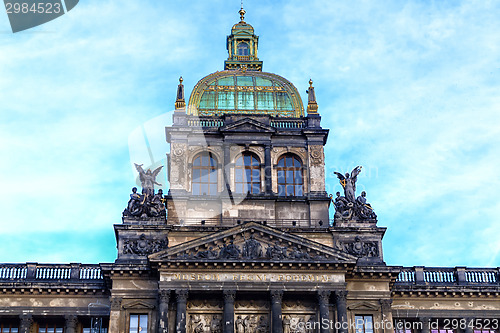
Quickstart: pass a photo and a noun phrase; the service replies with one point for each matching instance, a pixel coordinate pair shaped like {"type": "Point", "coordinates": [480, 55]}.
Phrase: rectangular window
{"type": "Point", "coordinates": [138, 323]}
{"type": "Point", "coordinates": [225, 100]}
{"type": "Point", "coordinates": [51, 328]}
{"type": "Point", "coordinates": [265, 101]}
{"type": "Point", "coordinates": [245, 101]}
{"type": "Point", "coordinates": [8, 328]}
{"type": "Point", "coordinates": [94, 325]}
{"type": "Point", "coordinates": [364, 323]}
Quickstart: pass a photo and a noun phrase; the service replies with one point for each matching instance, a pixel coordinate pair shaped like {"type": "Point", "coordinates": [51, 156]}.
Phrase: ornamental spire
{"type": "Point", "coordinates": [242, 12]}
{"type": "Point", "coordinates": [312, 106]}
{"type": "Point", "coordinates": [180, 103]}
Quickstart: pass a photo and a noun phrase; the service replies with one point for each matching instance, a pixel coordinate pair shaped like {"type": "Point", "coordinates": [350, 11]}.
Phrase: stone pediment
{"type": "Point", "coordinates": [248, 125]}
{"type": "Point", "coordinates": [138, 305]}
{"type": "Point", "coordinates": [252, 242]}
{"type": "Point", "coordinates": [368, 306]}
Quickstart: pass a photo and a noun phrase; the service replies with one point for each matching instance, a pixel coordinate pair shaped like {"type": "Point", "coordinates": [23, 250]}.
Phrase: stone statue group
{"type": "Point", "coordinates": [348, 207]}
{"type": "Point", "coordinates": [146, 204]}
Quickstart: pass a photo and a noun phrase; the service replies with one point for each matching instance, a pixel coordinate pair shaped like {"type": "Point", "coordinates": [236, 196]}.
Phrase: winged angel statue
{"type": "Point", "coordinates": [349, 183]}
{"type": "Point", "coordinates": [148, 203]}
{"type": "Point", "coordinates": [347, 206]}
{"type": "Point", "coordinates": [148, 179]}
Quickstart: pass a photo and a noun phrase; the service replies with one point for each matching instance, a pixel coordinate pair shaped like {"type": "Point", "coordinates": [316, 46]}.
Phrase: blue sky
{"type": "Point", "coordinates": [409, 90]}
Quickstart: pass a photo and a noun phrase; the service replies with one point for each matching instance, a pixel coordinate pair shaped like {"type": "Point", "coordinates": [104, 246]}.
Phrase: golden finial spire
{"type": "Point", "coordinates": [180, 102]}
{"type": "Point", "coordinates": [312, 106]}
{"type": "Point", "coordinates": [242, 12]}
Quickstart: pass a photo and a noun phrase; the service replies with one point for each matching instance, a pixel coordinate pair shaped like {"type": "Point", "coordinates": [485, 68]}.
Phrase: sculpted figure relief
{"type": "Point", "coordinates": [230, 251]}
{"type": "Point", "coordinates": [252, 249]}
{"type": "Point", "coordinates": [348, 207]}
{"type": "Point", "coordinates": [349, 183]}
{"type": "Point", "coordinates": [148, 179]}
{"type": "Point", "coordinates": [146, 204]}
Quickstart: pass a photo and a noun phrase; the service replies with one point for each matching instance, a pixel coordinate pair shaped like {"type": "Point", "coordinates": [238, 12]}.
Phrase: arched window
{"type": "Point", "coordinates": [247, 174]}
{"type": "Point", "coordinates": [243, 49]}
{"type": "Point", "coordinates": [205, 174]}
{"type": "Point", "coordinates": [290, 176]}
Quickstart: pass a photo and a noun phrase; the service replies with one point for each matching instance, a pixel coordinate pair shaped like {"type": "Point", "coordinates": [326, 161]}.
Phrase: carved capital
{"type": "Point", "coordinates": [341, 295]}
{"type": "Point", "coordinates": [181, 295]}
{"type": "Point", "coordinates": [229, 296]}
{"type": "Point", "coordinates": [116, 303]}
{"type": "Point", "coordinates": [26, 321]}
{"type": "Point", "coordinates": [324, 296]}
{"type": "Point", "coordinates": [71, 322]}
{"type": "Point", "coordinates": [386, 304]}
{"type": "Point", "coordinates": [164, 296]}
{"type": "Point", "coordinates": [276, 296]}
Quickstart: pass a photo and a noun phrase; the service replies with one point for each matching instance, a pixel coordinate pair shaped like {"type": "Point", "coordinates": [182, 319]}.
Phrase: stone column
{"type": "Point", "coordinates": [425, 324]}
{"type": "Point", "coordinates": [268, 182]}
{"type": "Point", "coordinates": [228, 320]}
{"type": "Point", "coordinates": [71, 322]}
{"type": "Point", "coordinates": [324, 311]}
{"type": "Point", "coordinates": [114, 316]}
{"type": "Point", "coordinates": [163, 311]}
{"type": "Point", "coordinates": [227, 167]}
{"type": "Point", "coordinates": [387, 315]}
{"type": "Point", "coordinates": [276, 317]}
{"type": "Point", "coordinates": [180, 318]}
{"type": "Point", "coordinates": [26, 321]}
{"type": "Point", "coordinates": [468, 327]}
{"type": "Point", "coordinates": [341, 302]}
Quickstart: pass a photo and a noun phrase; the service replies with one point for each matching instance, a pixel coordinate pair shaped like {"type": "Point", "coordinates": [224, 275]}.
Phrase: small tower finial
{"type": "Point", "coordinates": [242, 12]}
{"type": "Point", "coordinates": [312, 106]}
{"type": "Point", "coordinates": [180, 102]}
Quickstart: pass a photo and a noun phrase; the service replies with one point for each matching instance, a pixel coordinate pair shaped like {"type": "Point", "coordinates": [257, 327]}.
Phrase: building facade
{"type": "Point", "coordinates": [242, 242]}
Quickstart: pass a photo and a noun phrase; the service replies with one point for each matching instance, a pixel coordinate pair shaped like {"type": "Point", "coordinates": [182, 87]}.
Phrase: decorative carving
{"type": "Point", "coordinates": [71, 322]}
{"type": "Point", "coordinates": [277, 252]}
{"type": "Point", "coordinates": [143, 246]}
{"type": "Point", "coordinates": [349, 183]}
{"type": "Point", "coordinates": [116, 303]}
{"type": "Point", "coordinates": [251, 324]}
{"type": "Point", "coordinates": [26, 322]}
{"type": "Point", "coordinates": [360, 209]}
{"type": "Point", "coordinates": [202, 323]}
{"type": "Point", "coordinates": [364, 209]}
{"type": "Point", "coordinates": [299, 323]}
{"type": "Point", "coordinates": [360, 248]}
{"type": "Point", "coordinates": [341, 296]}
{"type": "Point", "coordinates": [207, 254]}
{"type": "Point", "coordinates": [386, 304]}
{"type": "Point", "coordinates": [144, 205]}
{"type": "Point", "coordinates": [349, 207]}
{"type": "Point", "coordinates": [211, 304]}
{"type": "Point", "coordinates": [181, 295]}
{"type": "Point", "coordinates": [164, 296]}
{"type": "Point", "coordinates": [252, 249]}
{"type": "Point", "coordinates": [276, 295]}
{"type": "Point", "coordinates": [324, 296]}
{"type": "Point", "coordinates": [316, 153]}
{"type": "Point", "coordinates": [229, 296]}
{"type": "Point", "coordinates": [148, 179]}
{"type": "Point", "coordinates": [230, 251]}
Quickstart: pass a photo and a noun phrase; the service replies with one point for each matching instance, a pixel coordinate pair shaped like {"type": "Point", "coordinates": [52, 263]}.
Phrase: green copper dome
{"type": "Point", "coordinates": [245, 92]}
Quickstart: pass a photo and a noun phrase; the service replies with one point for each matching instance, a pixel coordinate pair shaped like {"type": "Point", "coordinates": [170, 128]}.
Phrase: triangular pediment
{"type": "Point", "coordinates": [247, 125]}
{"type": "Point", "coordinates": [138, 305]}
{"type": "Point", "coordinates": [364, 306]}
{"type": "Point", "coordinates": [252, 242]}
